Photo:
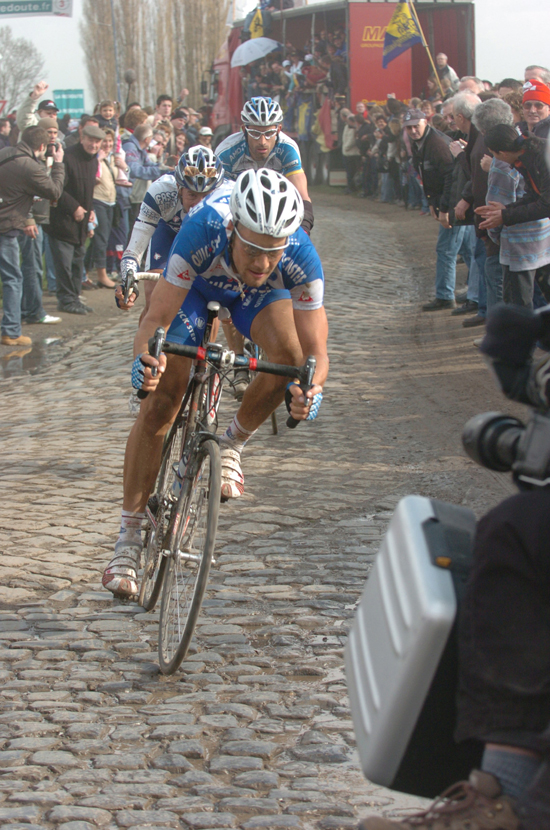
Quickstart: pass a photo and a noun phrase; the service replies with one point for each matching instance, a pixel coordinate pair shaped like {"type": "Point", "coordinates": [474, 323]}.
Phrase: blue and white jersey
{"type": "Point", "coordinates": [234, 155]}
{"type": "Point", "coordinates": [201, 252]}
{"type": "Point", "coordinates": [161, 204]}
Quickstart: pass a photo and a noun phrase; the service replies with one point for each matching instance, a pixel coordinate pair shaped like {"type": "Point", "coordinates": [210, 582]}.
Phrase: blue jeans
{"type": "Point", "coordinates": [50, 270]}
{"type": "Point", "coordinates": [387, 190]}
{"type": "Point", "coordinates": [415, 192]}
{"type": "Point", "coordinates": [480, 255]}
{"type": "Point", "coordinates": [493, 279]}
{"type": "Point", "coordinates": [12, 285]}
{"type": "Point", "coordinates": [449, 243]}
{"type": "Point", "coordinates": [32, 310]}
{"type": "Point", "coordinates": [467, 252]}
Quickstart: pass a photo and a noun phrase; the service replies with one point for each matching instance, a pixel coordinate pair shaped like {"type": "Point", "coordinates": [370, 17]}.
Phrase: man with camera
{"type": "Point", "coordinates": [31, 242]}
{"type": "Point", "coordinates": [23, 176]}
{"type": "Point", "coordinates": [504, 624]}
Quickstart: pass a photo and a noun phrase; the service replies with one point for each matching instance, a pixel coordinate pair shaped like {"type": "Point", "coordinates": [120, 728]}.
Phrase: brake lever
{"type": "Point", "coordinates": [131, 286]}
{"type": "Point", "coordinates": [306, 383]}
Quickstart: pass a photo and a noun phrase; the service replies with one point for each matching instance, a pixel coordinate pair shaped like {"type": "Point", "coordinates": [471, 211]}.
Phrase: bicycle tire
{"type": "Point", "coordinates": [185, 580]}
{"type": "Point", "coordinates": [154, 565]}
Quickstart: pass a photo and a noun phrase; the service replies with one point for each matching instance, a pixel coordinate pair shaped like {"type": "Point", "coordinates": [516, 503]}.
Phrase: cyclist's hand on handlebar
{"type": "Point", "coordinates": [142, 375]}
{"type": "Point", "coordinates": [119, 298]}
{"type": "Point", "coordinates": [300, 409]}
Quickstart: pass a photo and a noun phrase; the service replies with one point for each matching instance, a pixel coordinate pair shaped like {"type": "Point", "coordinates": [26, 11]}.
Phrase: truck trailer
{"type": "Point", "coordinates": [448, 27]}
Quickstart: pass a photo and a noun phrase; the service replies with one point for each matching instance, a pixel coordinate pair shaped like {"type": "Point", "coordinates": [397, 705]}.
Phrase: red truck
{"type": "Point", "coordinates": [448, 26]}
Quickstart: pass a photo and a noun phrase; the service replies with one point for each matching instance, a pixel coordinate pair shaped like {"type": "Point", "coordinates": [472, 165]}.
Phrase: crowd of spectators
{"type": "Point", "coordinates": [320, 66]}
{"type": "Point", "coordinates": [492, 201]}
{"type": "Point", "coordinates": [105, 162]}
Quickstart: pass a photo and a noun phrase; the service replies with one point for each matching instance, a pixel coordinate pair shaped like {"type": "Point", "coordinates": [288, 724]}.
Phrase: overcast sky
{"type": "Point", "coordinates": [506, 42]}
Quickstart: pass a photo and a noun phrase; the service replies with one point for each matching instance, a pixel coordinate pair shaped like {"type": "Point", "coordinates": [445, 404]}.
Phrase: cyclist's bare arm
{"type": "Point", "coordinates": [165, 303]}
{"type": "Point", "coordinates": [312, 330]}
{"type": "Point", "coordinates": [299, 180]}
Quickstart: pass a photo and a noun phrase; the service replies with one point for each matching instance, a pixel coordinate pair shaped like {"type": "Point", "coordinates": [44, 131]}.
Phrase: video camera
{"type": "Point", "coordinates": [502, 442]}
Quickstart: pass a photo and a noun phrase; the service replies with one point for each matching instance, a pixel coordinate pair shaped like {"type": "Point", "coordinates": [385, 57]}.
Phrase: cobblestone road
{"type": "Point", "coordinates": [254, 731]}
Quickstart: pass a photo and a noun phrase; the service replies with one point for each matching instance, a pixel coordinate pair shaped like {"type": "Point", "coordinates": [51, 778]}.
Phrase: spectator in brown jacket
{"type": "Point", "coordinates": [23, 176]}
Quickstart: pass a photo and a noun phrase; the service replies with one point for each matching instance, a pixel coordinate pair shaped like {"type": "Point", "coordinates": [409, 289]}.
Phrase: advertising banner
{"type": "Point", "coordinates": [368, 23]}
{"type": "Point", "coordinates": [33, 8]}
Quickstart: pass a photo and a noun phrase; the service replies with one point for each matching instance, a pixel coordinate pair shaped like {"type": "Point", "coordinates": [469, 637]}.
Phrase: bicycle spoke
{"type": "Point", "coordinates": [191, 552]}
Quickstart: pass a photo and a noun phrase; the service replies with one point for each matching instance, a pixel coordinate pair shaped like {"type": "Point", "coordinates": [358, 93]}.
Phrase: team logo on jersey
{"type": "Point", "coordinates": [201, 255]}
{"type": "Point", "coordinates": [293, 271]}
{"type": "Point", "coordinates": [157, 256]}
{"type": "Point", "coordinates": [200, 322]}
{"type": "Point", "coordinates": [185, 320]}
{"type": "Point", "coordinates": [305, 297]}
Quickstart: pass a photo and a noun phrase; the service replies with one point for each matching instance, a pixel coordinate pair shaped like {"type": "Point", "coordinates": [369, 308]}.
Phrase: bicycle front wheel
{"type": "Point", "coordinates": [155, 563]}
{"type": "Point", "coordinates": [191, 551]}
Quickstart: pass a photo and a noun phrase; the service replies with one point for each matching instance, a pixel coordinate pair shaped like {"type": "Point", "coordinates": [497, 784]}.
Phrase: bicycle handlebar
{"type": "Point", "coordinates": [213, 354]}
{"type": "Point", "coordinates": [217, 356]}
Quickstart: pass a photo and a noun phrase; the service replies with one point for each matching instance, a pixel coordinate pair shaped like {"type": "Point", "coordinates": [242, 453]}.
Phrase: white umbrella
{"type": "Point", "coordinates": [253, 49]}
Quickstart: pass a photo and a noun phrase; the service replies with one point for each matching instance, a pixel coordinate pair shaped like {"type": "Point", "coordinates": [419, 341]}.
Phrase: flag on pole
{"type": "Point", "coordinates": [257, 24]}
{"type": "Point", "coordinates": [401, 34]}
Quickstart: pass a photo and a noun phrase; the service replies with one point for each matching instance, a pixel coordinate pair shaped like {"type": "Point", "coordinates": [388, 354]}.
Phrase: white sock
{"type": "Point", "coordinates": [130, 527]}
{"type": "Point", "coordinates": [236, 435]}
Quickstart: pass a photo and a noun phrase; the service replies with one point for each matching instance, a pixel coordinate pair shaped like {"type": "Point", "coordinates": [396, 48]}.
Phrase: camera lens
{"type": "Point", "coordinates": [491, 440]}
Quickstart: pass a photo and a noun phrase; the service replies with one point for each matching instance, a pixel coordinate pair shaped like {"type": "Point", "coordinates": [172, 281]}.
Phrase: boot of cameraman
{"type": "Point", "coordinates": [504, 629]}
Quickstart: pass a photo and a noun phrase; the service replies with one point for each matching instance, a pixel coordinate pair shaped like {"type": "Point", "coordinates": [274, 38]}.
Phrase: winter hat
{"type": "Point", "coordinates": [535, 90]}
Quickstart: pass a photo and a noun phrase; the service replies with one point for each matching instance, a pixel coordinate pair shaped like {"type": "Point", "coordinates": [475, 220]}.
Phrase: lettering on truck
{"type": "Point", "coordinates": [373, 36]}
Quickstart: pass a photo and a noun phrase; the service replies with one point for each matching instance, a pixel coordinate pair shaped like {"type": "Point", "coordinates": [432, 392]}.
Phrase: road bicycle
{"type": "Point", "coordinates": [182, 514]}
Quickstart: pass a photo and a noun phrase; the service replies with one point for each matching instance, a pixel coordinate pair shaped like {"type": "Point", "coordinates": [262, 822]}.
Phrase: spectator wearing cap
{"type": "Point", "coordinates": [205, 136]}
{"type": "Point", "coordinates": [75, 136]}
{"type": "Point", "coordinates": [536, 108]}
{"type": "Point", "coordinates": [434, 162]}
{"type": "Point", "coordinates": [30, 111]}
{"type": "Point", "coordinates": [23, 177]}
{"type": "Point", "coordinates": [178, 121]}
{"type": "Point", "coordinates": [68, 225]}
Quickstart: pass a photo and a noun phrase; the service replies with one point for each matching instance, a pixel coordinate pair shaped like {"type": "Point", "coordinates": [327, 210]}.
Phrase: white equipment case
{"type": "Point", "coordinates": [401, 654]}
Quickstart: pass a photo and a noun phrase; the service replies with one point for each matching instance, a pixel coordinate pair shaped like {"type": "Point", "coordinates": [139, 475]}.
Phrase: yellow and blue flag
{"type": "Point", "coordinates": [401, 34]}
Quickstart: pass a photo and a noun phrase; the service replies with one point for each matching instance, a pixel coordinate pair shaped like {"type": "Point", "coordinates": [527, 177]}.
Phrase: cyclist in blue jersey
{"type": "Point", "coordinates": [261, 143]}
{"type": "Point", "coordinates": [247, 251]}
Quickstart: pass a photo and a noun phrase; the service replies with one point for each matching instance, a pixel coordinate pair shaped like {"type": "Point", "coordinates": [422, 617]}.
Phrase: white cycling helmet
{"type": "Point", "coordinates": [266, 202]}
{"type": "Point", "coordinates": [199, 170]}
{"type": "Point", "coordinates": [261, 112]}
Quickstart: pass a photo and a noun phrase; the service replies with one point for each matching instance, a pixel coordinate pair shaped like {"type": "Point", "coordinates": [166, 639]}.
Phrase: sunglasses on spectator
{"type": "Point", "coordinates": [254, 251]}
{"type": "Point", "coordinates": [536, 105]}
{"type": "Point", "coordinates": [258, 133]}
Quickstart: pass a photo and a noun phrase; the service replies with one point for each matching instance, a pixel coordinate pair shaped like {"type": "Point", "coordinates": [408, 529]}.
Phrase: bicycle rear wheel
{"type": "Point", "coordinates": [155, 563]}
{"type": "Point", "coordinates": [191, 551]}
